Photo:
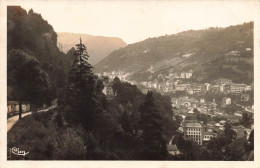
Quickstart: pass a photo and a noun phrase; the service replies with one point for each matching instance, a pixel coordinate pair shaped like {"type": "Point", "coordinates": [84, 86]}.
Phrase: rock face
{"type": "Point", "coordinates": [210, 53]}
{"type": "Point", "coordinates": [98, 47]}
{"type": "Point", "coordinates": [29, 32]}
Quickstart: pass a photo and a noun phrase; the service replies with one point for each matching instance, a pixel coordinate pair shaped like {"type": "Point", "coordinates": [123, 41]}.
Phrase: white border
{"type": "Point", "coordinates": [116, 164]}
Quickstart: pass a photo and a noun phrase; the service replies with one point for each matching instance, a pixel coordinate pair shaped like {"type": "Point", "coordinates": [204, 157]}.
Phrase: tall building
{"type": "Point", "coordinates": [193, 130]}
{"type": "Point", "coordinates": [196, 131]}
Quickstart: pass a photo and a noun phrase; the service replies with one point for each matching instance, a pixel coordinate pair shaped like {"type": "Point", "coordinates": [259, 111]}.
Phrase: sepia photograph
{"type": "Point", "coordinates": [129, 81]}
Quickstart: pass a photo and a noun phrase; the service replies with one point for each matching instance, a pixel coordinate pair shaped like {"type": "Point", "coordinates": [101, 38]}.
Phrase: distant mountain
{"type": "Point", "coordinates": [98, 47]}
{"type": "Point", "coordinates": [210, 53]}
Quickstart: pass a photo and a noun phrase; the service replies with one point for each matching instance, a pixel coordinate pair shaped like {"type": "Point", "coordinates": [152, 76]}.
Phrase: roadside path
{"type": "Point", "coordinates": [12, 120]}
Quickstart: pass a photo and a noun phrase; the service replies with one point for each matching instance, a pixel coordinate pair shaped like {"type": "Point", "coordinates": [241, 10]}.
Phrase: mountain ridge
{"type": "Point", "coordinates": [208, 52]}
{"type": "Point", "coordinates": [98, 46]}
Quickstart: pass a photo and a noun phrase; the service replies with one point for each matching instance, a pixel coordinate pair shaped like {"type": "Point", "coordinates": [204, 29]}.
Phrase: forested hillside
{"type": "Point", "coordinates": [33, 35]}
{"type": "Point", "coordinates": [208, 53]}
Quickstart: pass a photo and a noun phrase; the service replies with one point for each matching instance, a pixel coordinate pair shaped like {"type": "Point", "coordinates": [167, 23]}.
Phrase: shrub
{"type": "Point", "coordinates": [69, 146]}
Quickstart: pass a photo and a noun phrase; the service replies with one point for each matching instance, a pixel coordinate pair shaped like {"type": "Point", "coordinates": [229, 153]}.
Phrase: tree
{"type": "Point", "coordinates": [153, 145]}
{"type": "Point", "coordinates": [251, 140]}
{"type": "Point", "coordinates": [82, 105]}
{"type": "Point", "coordinates": [29, 82]}
{"type": "Point", "coordinates": [179, 119]}
{"type": "Point", "coordinates": [229, 132]}
{"type": "Point", "coordinates": [116, 85]}
{"type": "Point", "coordinates": [246, 120]}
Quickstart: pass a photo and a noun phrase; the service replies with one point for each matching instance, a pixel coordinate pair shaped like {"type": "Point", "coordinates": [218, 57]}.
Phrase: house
{"type": "Point", "coordinates": [248, 88]}
{"type": "Point", "coordinates": [226, 101]}
{"type": "Point", "coordinates": [219, 126]}
{"type": "Point", "coordinates": [222, 122]}
{"type": "Point", "coordinates": [190, 113]}
{"type": "Point", "coordinates": [108, 90]}
{"type": "Point", "coordinates": [154, 85]}
{"type": "Point", "coordinates": [172, 148]}
{"type": "Point", "coordinates": [189, 90]}
{"type": "Point", "coordinates": [196, 89]}
{"type": "Point", "coordinates": [186, 75]}
{"type": "Point", "coordinates": [207, 136]}
{"type": "Point", "coordinates": [189, 74]}
{"type": "Point", "coordinates": [149, 84]}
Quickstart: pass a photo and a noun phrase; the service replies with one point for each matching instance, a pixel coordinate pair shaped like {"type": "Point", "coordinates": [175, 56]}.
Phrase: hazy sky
{"type": "Point", "coordinates": [137, 20]}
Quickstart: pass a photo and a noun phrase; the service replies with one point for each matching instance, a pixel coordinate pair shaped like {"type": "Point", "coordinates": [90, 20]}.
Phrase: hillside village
{"type": "Point", "coordinates": [220, 101]}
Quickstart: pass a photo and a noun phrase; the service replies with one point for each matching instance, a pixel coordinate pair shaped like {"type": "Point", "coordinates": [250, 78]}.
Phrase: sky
{"type": "Point", "coordinates": [134, 21]}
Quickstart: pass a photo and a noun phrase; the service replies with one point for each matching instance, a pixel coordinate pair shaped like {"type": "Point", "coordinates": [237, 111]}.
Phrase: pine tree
{"type": "Point", "coordinates": [82, 105]}
{"type": "Point", "coordinates": [153, 145]}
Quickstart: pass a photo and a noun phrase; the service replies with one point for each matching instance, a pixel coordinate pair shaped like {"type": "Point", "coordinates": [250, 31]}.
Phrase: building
{"type": "Point", "coordinates": [13, 106]}
{"type": "Point", "coordinates": [238, 113]}
{"type": "Point", "coordinates": [208, 135]}
{"type": "Point", "coordinates": [187, 75]}
{"type": "Point", "coordinates": [108, 90]}
{"type": "Point", "coordinates": [189, 90]}
{"type": "Point", "coordinates": [172, 148]}
{"type": "Point", "coordinates": [223, 81]}
{"type": "Point", "coordinates": [226, 101]}
{"type": "Point", "coordinates": [181, 87]}
{"type": "Point", "coordinates": [193, 130]}
{"type": "Point", "coordinates": [227, 89]}
{"type": "Point", "coordinates": [196, 89]}
{"type": "Point", "coordinates": [205, 87]}
{"type": "Point", "coordinates": [248, 88]}
{"type": "Point", "coordinates": [219, 126]}
{"type": "Point", "coordinates": [221, 87]}
{"type": "Point", "coordinates": [237, 88]}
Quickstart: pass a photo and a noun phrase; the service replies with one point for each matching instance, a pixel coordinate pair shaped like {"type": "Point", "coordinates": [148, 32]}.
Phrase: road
{"type": "Point", "coordinates": [12, 120]}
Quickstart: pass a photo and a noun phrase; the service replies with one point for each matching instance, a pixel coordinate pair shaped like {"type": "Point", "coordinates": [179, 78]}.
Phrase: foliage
{"type": "Point", "coordinates": [82, 105]}
{"type": "Point", "coordinates": [40, 135]}
{"type": "Point", "coordinates": [153, 144]}
{"type": "Point", "coordinates": [69, 146]}
{"type": "Point", "coordinates": [32, 34]}
{"type": "Point", "coordinates": [29, 82]}
{"type": "Point", "coordinates": [231, 109]}
{"type": "Point", "coordinates": [246, 120]}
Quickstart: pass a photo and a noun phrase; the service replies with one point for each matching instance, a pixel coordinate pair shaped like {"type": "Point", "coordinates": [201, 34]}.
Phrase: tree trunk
{"type": "Point", "coordinates": [20, 110]}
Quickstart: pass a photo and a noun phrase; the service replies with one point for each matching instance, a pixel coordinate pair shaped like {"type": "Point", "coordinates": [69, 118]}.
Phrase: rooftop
{"type": "Point", "coordinates": [193, 124]}
{"type": "Point", "coordinates": [208, 133]}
